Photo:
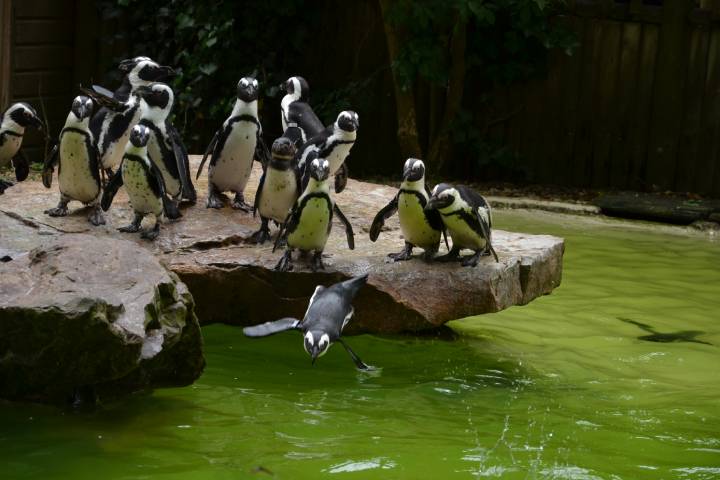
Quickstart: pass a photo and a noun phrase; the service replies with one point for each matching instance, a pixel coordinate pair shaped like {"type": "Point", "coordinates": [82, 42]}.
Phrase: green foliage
{"type": "Point", "coordinates": [507, 40]}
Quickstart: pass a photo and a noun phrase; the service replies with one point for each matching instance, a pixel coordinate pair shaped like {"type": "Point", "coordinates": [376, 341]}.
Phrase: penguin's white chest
{"type": "Point", "coordinates": [234, 164]}
{"type": "Point", "coordinates": [462, 234]}
{"type": "Point", "coordinates": [172, 184]}
{"type": "Point", "coordinates": [142, 198]}
{"type": "Point", "coordinates": [413, 223]}
{"type": "Point", "coordinates": [312, 230]}
{"type": "Point", "coordinates": [9, 148]}
{"type": "Point", "coordinates": [278, 194]}
{"type": "Point", "coordinates": [75, 176]}
{"type": "Point", "coordinates": [338, 156]}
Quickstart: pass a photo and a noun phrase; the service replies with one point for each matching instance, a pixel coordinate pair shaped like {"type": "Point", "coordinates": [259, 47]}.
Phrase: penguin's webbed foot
{"type": "Point", "coordinates": [471, 260]}
{"type": "Point", "coordinates": [132, 228]}
{"type": "Point", "coordinates": [285, 263]}
{"type": "Point", "coordinates": [452, 256]}
{"type": "Point", "coordinates": [406, 254]}
{"type": "Point", "coordinates": [429, 255]}
{"type": "Point", "coordinates": [317, 262]}
{"type": "Point", "coordinates": [59, 211]}
{"type": "Point", "coordinates": [259, 237]}
{"type": "Point", "coordinates": [239, 203]}
{"type": "Point", "coordinates": [151, 234]}
{"type": "Point", "coordinates": [214, 200]}
{"type": "Point", "coordinates": [96, 216]}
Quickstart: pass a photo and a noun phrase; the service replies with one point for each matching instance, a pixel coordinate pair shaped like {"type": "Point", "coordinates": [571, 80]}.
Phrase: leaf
{"type": "Point", "coordinates": [208, 68]}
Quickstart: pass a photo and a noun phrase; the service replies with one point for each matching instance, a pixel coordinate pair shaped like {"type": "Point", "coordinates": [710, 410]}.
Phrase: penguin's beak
{"type": "Point", "coordinates": [314, 354]}
{"type": "Point", "coordinates": [37, 123]}
{"type": "Point", "coordinates": [282, 87]}
{"type": "Point", "coordinates": [167, 72]}
{"type": "Point", "coordinates": [434, 203]}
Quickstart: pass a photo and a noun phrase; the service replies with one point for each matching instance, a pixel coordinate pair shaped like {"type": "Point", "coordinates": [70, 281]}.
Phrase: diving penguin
{"type": "Point", "coordinates": [333, 144]}
{"type": "Point", "coordinates": [78, 168]}
{"type": "Point", "coordinates": [296, 111]}
{"type": "Point", "coordinates": [144, 184]}
{"type": "Point", "coordinates": [164, 148]}
{"type": "Point", "coordinates": [14, 121]}
{"type": "Point", "coordinates": [466, 215]}
{"type": "Point", "coordinates": [234, 147]}
{"type": "Point", "coordinates": [330, 309]}
{"type": "Point", "coordinates": [112, 124]}
{"type": "Point", "coordinates": [308, 225]}
{"type": "Point", "coordinates": [420, 227]}
{"type": "Point", "coordinates": [278, 188]}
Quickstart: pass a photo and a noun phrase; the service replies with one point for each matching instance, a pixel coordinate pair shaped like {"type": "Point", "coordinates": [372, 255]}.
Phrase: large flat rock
{"type": "Point", "coordinates": [85, 317]}
{"type": "Point", "coordinates": [233, 282]}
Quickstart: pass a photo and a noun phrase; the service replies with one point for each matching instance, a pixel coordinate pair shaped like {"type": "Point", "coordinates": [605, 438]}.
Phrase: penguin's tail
{"type": "Point", "coordinates": [355, 284]}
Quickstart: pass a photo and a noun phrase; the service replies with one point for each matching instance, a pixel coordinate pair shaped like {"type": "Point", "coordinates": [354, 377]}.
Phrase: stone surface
{"type": "Point", "coordinates": [233, 282]}
{"type": "Point", "coordinates": [86, 317]}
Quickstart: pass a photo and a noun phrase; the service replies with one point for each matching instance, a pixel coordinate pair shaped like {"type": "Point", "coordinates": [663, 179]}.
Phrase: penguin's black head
{"type": "Point", "coordinates": [157, 95]}
{"type": "Point", "coordinates": [320, 169]}
{"type": "Point", "coordinates": [348, 121]}
{"type": "Point", "coordinates": [247, 89]}
{"type": "Point", "coordinates": [297, 86]}
{"type": "Point", "coordinates": [316, 344]}
{"type": "Point", "coordinates": [142, 70]}
{"type": "Point", "coordinates": [139, 136]}
{"type": "Point", "coordinates": [82, 107]}
{"type": "Point", "coordinates": [129, 63]}
{"type": "Point", "coordinates": [25, 116]}
{"type": "Point", "coordinates": [413, 170]}
{"type": "Point", "coordinates": [283, 149]}
{"type": "Point", "coordinates": [443, 195]}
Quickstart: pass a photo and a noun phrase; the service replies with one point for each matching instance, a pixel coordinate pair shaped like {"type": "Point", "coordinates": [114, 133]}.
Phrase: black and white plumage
{"type": "Point", "coordinates": [13, 123]}
{"type": "Point", "coordinates": [278, 189]}
{"type": "Point", "coordinates": [308, 225]}
{"type": "Point", "coordinates": [165, 148]}
{"type": "Point", "coordinates": [111, 124]}
{"type": "Point", "coordinates": [467, 217]}
{"type": "Point", "coordinates": [329, 311]}
{"type": "Point", "coordinates": [296, 111]}
{"type": "Point", "coordinates": [144, 184]}
{"type": "Point", "coordinates": [234, 147]}
{"type": "Point", "coordinates": [78, 168]}
{"type": "Point", "coordinates": [421, 228]}
{"type": "Point", "coordinates": [333, 144]}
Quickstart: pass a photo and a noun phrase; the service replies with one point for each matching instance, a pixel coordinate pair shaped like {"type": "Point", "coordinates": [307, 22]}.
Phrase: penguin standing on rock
{"type": "Point", "coordinates": [308, 225]}
{"type": "Point", "coordinates": [467, 216]}
{"type": "Point", "coordinates": [329, 311]}
{"type": "Point", "coordinates": [144, 184]}
{"type": "Point", "coordinates": [278, 188]}
{"type": "Point", "coordinates": [333, 144]}
{"type": "Point", "coordinates": [420, 227]}
{"type": "Point", "coordinates": [78, 168]}
{"type": "Point", "coordinates": [14, 121]}
{"type": "Point", "coordinates": [234, 147]}
{"type": "Point", "coordinates": [296, 111]}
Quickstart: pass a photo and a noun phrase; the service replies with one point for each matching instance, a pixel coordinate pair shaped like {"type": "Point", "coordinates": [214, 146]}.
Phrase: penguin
{"type": "Point", "coordinates": [234, 147]}
{"type": "Point", "coordinates": [111, 125]}
{"type": "Point", "coordinates": [329, 311]}
{"type": "Point", "coordinates": [78, 167]}
{"type": "Point", "coordinates": [420, 227]}
{"type": "Point", "coordinates": [14, 121]}
{"type": "Point", "coordinates": [333, 144]}
{"type": "Point", "coordinates": [466, 215]}
{"type": "Point", "coordinates": [308, 225]}
{"type": "Point", "coordinates": [164, 148]}
{"type": "Point", "coordinates": [296, 111]}
{"type": "Point", "coordinates": [278, 189]}
{"type": "Point", "coordinates": [144, 184]}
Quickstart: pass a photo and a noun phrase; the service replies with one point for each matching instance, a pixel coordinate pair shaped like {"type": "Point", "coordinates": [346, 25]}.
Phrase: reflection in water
{"type": "Point", "coordinates": [556, 389]}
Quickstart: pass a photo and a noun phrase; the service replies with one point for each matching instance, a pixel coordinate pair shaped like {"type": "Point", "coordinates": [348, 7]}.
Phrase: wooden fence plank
{"type": "Point", "coordinates": [6, 44]}
{"type": "Point", "coordinates": [709, 152]}
{"type": "Point", "coordinates": [583, 140]}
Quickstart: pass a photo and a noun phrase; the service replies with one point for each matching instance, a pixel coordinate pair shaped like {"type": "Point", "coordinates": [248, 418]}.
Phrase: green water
{"type": "Point", "coordinates": [559, 389]}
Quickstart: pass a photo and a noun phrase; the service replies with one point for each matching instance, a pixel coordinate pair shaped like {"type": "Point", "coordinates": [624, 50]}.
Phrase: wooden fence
{"type": "Point", "coordinates": [636, 106]}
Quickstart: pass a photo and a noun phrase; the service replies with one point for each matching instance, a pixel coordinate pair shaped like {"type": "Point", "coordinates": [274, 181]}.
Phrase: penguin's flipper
{"type": "Point", "coordinates": [111, 189]}
{"type": "Point", "coordinates": [210, 149]}
{"type": "Point", "coordinates": [356, 360]}
{"type": "Point", "coordinates": [22, 166]}
{"type": "Point", "coordinates": [258, 193]}
{"type": "Point", "coordinates": [386, 212]}
{"type": "Point", "coordinates": [486, 233]}
{"type": "Point", "coordinates": [103, 91]}
{"type": "Point", "coordinates": [104, 98]}
{"type": "Point", "coordinates": [183, 163]}
{"type": "Point", "coordinates": [341, 178]}
{"type": "Point", "coordinates": [355, 284]}
{"type": "Point", "coordinates": [348, 227]}
{"type": "Point", "coordinates": [262, 153]}
{"type": "Point", "coordinates": [271, 328]}
{"type": "Point", "coordinates": [49, 167]}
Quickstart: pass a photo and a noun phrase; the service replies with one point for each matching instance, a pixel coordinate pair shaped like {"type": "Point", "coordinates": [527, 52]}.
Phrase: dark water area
{"type": "Point", "coordinates": [616, 375]}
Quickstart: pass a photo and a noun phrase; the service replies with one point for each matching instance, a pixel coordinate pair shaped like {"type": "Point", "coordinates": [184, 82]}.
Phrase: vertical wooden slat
{"type": "Point", "coordinates": [626, 102]}
{"type": "Point", "coordinates": [709, 152]}
{"type": "Point", "coordinates": [5, 52]}
{"type": "Point", "coordinates": [583, 141]}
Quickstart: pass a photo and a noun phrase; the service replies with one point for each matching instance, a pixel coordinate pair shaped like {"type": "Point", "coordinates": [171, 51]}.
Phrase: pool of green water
{"type": "Point", "coordinates": [563, 388]}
